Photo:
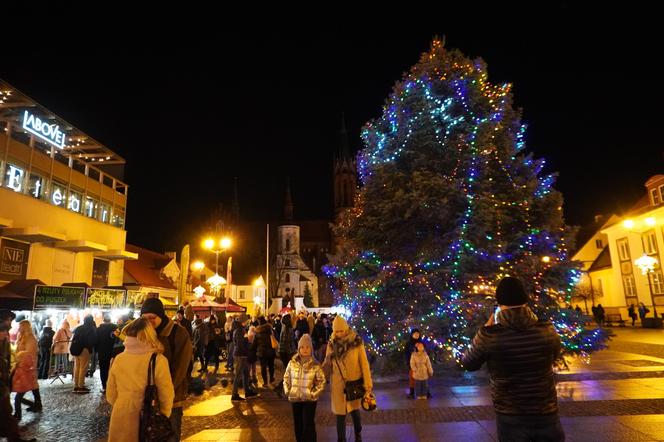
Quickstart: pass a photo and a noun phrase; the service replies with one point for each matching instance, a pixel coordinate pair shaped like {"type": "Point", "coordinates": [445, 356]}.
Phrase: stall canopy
{"type": "Point", "coordinates": [19, 294]}
{"type": "Point", "coordinates": [207, 303]}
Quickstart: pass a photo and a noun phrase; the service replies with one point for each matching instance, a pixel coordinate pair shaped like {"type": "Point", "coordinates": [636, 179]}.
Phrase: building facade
{"type": "Point", "coordinates": [62, 199]}
{"type": "Point", "coordinates": [614, 274]}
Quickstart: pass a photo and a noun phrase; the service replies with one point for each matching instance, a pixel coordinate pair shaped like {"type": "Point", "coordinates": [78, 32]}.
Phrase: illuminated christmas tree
{"type": "Point", "coordinates": [449, 204]}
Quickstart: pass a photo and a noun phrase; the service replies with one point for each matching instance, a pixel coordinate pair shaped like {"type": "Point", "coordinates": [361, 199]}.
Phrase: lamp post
{"type": "Point", "coordinates": [647, 264]}
{"type": "Point", "coordinates": [217, 247]}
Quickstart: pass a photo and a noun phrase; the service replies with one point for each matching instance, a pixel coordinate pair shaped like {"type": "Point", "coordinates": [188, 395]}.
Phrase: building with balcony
{"type": "Point", "coordinates": [63, 200]}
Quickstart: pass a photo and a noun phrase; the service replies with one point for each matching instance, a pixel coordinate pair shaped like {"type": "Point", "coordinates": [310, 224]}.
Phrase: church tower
{"type": "Point", "coordinates": [344, 174]}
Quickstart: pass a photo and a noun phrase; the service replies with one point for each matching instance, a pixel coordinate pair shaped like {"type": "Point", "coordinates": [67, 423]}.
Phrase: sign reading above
{"type": "Point", "coordinates": [50, 133]}
{"type": "Point", "coordinates": [105, 299]}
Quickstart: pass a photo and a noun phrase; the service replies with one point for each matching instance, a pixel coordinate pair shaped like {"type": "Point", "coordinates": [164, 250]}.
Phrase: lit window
{"type": "Point", "coordinates": [623, 249]}
{"type": "Point", "coordinates": [629, 285]}
{"type": "Point", "coordinates": [654, 194]}
{"type": "Point", "coordinates": [649, 242]}
{"type": "Point", "coordinates": [241, 294]}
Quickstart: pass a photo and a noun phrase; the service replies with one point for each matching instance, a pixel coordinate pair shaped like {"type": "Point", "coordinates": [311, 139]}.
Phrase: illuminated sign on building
{"type": "Point", "coordinates": [50, 133]}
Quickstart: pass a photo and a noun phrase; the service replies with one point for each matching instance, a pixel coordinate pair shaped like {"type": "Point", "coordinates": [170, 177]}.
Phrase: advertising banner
{"type": "Point", "coordinates": [47, 297]}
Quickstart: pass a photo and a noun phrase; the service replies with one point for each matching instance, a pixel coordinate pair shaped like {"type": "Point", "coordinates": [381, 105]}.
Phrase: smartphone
{"type": "Point", "coordinates": [495, 315]}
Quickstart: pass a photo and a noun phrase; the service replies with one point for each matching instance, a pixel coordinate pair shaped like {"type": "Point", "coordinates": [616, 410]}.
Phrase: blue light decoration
{"type": "Point", "coordinates": [447, 100]}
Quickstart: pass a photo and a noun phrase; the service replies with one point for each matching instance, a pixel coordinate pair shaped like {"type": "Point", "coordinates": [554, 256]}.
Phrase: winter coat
{"type": "Point", "coordinates": [178, 358]}
{"type": "Point", "coordinates": [304, 381]}
{"type": "Point", "coordinates": [46, 338]}
{"type": "Point", "coordinates": [87, 333]}
{"type": "Point", "coordinates": [61, 341]}
{"type": "Point", "coordinates": [189, 312]}
{"type": "Point", "coordinates": [519, 351]}
{"type": "Point", "coordinates": [410, 348]}
{"type": "Point", "coordinates": [125, 389]}
{"type": "Point", "coordinates": [287, 340]}
{"type": "Point", "coordinates": [25, 372]}
{"type": "Point", "coordinates": [215, 334]}
{"type": "Point", "coordinates": [311, 321]}
{"type": "Point", "coordinates": [319, 335]}
{"type": "Point", "coordinates": [105, 340]}
{"type": "Point", "coordinates": [348, 361]}
{"type": "Point", "coordinates": [421, 366]}
{"type": "Point", "coordinates": [200, 337]}
{"type": "Point", "coordinates": [28, 343]}
{"type": "Point", "coordinates": [186, 324]}
{"type": "Point", "coordinates": [262, 342]}
{"type": "Point", "coordinates": [240, 343]}
{"type": "Point", "coordinates": [301, 327]}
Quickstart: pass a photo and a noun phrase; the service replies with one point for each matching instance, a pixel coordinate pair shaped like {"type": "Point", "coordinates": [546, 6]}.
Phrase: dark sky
{"type": "Point", "coordinates": [191, 112]}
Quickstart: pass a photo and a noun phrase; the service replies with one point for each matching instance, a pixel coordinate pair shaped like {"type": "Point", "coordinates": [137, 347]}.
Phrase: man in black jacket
{"type": "Point", "coordinates": [82, 345]}
{"type": "Point", "coordinates": [240, 354]}
{"type": "Point", "coordinates": [104, 348]}
{"type": "Point", "coordinates": [519, 351]}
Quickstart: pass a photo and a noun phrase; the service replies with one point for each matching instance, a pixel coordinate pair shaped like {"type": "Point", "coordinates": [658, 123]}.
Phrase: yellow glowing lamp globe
{"type": "Point", "coordinates": [225, 243]}
{"type": "Point", "coordinates": [208, 244]}
{"type": "Point", "coordinates": [646, 263]}
{"type": "Point", "coordinates": [199, 291]}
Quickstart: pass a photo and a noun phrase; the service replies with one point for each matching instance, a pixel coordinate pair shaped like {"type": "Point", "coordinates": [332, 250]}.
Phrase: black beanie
{"type": "Point", "coordinates": [510, 291]}
{"type": "Point", "coordinates": [154, 306]}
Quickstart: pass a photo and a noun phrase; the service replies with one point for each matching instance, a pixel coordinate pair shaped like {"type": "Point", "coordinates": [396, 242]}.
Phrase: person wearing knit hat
{"type": "Point", "coordinates": [510, 292]}
{"type": "Point", "coordinates": [177, 349]}
{"type": "Point", "coordinates": [523, 389]}
{"type": "Point", "coordinates": [346, 349]}
{"type": "Point", "coordinates": [304, 382]}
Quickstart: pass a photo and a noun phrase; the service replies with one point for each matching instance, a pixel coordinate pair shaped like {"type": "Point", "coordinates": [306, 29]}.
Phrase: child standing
{"type": "Point", "coordinates": [422, 370]}
{"type": "Point", "coordinates": [303, 383]}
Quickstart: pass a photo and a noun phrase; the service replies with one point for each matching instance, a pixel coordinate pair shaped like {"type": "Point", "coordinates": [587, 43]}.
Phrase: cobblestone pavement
{"type": "Point", "coordinates": [622, 385]}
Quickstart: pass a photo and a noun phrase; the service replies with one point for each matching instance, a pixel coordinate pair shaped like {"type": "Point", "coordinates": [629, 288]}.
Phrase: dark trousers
{"type": "Point", "coordinates": [241, 375]}
{"type": "Point", "coordinates": [341, 424]}
{"type": "Point", "coordinates": [303, 418]}
{"type": "Point", "coordinates": [212, 355]}
{"type": "Point", "coordinates": [20, 399]}
{"type": "Point", "coordinates": [176, 423]}
{"type": "Point", "coordinates": [8, 425]}
{"type": "Point", "coordinates": [44, 362]}
{"type": "Point", "coordinates": [267, 364]}
{"type": "Point", "coordinates": [545, 428]}
{"type": "Point", "coordinates": [104, 364]}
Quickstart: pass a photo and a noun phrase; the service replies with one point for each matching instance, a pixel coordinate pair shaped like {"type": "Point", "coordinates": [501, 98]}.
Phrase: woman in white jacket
{"type": "Point", "coordinates": [129, 377]}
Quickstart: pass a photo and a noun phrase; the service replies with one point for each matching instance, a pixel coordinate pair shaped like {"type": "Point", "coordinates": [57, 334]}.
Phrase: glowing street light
{"type": "Point", "coordinates": [199, 291]}
{"type": "Point", "coordinates": [217, 246]}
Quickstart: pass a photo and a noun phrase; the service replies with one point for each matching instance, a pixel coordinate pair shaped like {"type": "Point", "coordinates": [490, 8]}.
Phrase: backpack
{"type": "Point", "coordinates": [76, 346]}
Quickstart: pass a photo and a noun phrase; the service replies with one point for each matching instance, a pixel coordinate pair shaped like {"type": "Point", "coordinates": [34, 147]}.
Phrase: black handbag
{"type": "Point", "coordinates": [353, 390]}
{"type": "Point", "coordinates": [154, 426]}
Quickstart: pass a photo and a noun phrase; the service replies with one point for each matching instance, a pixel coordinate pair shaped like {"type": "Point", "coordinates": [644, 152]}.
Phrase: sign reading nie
{"type": "Point", "coordinates": [13, 260]}
{"type": "Point", "coordinates": [105, 299]}
{"type": "Point", "coordinates": [59, 297]}
{"type": "Point", "coordinates": [50, 133]}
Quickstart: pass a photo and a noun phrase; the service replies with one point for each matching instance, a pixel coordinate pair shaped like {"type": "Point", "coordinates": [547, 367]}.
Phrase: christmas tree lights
{"type": "Point", "coordinates": [449, 203]}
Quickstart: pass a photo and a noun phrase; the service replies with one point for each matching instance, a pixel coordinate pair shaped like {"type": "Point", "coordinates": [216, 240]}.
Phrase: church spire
{"type": "Point", "coordinates": [288, 203]}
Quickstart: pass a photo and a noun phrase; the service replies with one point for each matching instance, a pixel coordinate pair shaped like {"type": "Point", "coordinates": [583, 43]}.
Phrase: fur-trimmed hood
{"type": "Point", "coordinates": [341, 345]}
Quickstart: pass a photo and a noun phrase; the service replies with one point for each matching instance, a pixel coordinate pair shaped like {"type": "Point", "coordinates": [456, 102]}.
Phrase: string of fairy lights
{"type": "Point", "coordinates": [448, 99]}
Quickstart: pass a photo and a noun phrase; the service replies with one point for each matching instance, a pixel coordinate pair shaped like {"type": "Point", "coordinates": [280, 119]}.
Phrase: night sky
{"type": "Point", "coordinates": [190, 113]}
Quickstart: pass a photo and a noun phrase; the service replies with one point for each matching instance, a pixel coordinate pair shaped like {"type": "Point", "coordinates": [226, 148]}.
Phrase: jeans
{"type": "Point", "coordinates": [176, 423]}
{"type": "Point", "coordinates": [341, 424]}
{"type": "Point", "coordinates": [545, 428]}
{"type": "Point", "coordinates": [80, 368]}
{"type": "Point", "coordinates": [231, 349]}
{"type": "Point", "coordinates": [303, 418]}
{"type": "Point", "coordinates": [241, 371]}
{"type": "Point", "coordinates": [62, 362]}
{"type": "Point", "coordinates": [421, 388]}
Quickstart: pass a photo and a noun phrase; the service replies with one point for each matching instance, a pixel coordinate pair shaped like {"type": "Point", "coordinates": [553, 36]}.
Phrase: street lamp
{"type": "Point", "coordinates": [647, 265]}
{"type": "Point", "coordinates": [217, 247]}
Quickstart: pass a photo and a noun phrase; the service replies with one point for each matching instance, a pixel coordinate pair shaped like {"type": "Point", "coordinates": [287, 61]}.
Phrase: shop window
{"type": "Point", "coordinates": [118, 217]}
{"type": "Point", "coordinates": [58, 194]}
{"type": "Point", "coordinates": [36, 185]}
{"type": "Point", "coordinates": [104, 213]}
{"type": "Point", "coordinates": [14, 178]}
{"type": "Point", "coordinates": [75, 201]}
{"type": "Point", "coordinates": [91, 207]}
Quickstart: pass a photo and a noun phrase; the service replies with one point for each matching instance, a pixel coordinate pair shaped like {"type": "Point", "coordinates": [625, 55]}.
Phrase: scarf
{"type": "Point", "coordinates": [341, 345]}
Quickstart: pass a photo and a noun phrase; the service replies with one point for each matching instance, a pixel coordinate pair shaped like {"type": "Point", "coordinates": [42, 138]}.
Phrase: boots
{"type": "Point", "coordinates": [37, 405]}
{"type": "Point", "coordinates": [411, 395]}
{"type": "Point", "coordinates": [17, 408]}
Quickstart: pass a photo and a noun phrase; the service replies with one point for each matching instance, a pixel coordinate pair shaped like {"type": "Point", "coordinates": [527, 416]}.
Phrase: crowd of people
{"type": "Point", "coordinates": [315, 350]}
